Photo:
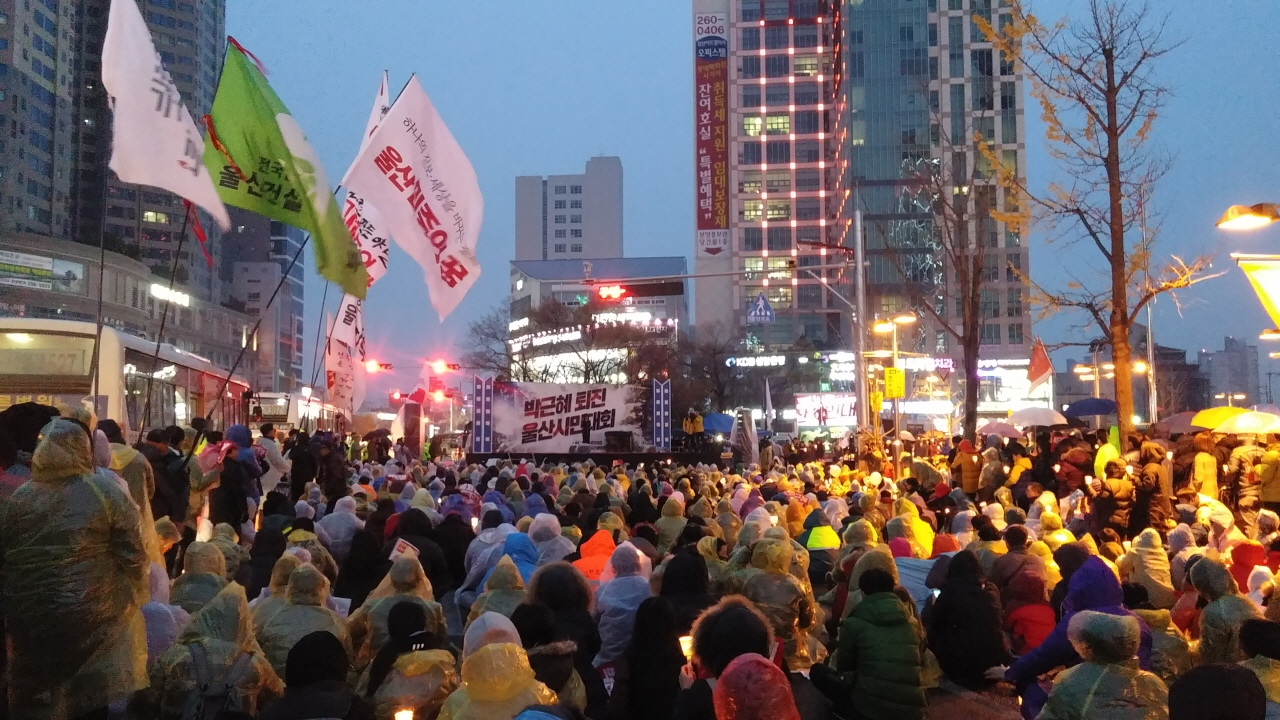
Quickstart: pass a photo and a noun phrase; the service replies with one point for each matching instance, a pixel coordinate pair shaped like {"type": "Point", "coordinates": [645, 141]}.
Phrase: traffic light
{"type": "Point", "coordinates": [373, 366]}
{"type": "Point", "coordinates": [612, 292]}
{"type": "Point", "coordinates": [438, 396]}
{"type": "Point", "coordinates": [395, 399]}
{"type": "Point", "coordinates": [440, 367]}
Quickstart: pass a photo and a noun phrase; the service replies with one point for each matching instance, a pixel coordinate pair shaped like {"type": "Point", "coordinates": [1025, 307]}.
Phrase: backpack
{"type": "Point", "coordinates": [209, 699]}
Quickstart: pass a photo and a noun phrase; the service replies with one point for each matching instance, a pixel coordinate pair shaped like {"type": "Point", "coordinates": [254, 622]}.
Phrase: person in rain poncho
{"type": "Point", "coordinates": [411, 671]}
{"type": "Point", "coordinates": [503, 591]}
{"type": "Point", "coordinates": [782, 600]}
{"type": "Point", "coordinates": [303, 613]}
{"type": "Point", "coordinates": [1227, 610]}
{"type": "Point", "coordinates": [75, 579]}
{"type": "Point", "coordinates": [1182, 545]}
{"type": "Point", "coordinates": [263, 608]}
{"type": "Point", "coordinates": [1261, 585]}
{"type": "Point", "coordinates": [523, 554]}
{"type": "Point", "coordinates": [228, 543]}
{"type": "Point", "coordinates": [1108, 684]}
{"type": "Point", "coordinates": [204, 574]}
{"type": "Point", "coordinates": [624, 584]}
{"type": "Point", "coordinates": [406, 581]}
{"type": "Point", "coordinates": [544, 531]}
{"type": "Point", "coordinates": [822, 543]}
{"type": "Point", "coordinates": [1147, 564]}
{"type": "Point", "coordinates": [164, 621]}
{"type": "Point", "coordinates": [596, 552]}
{"type": "Point", "coordinates": [671, 524]}
{"type": "Point", "coordinates": [133, 466]}
{"type": "Point", "coordinates": [497, 682]}
{"type": "Point", "coordinates": [753, 688]}
{"type": "Point", "coordinates": [962, 528]}
{"type": "Point", "coordinates": [320, 557]}
{"type": "Point", "coordinates": [482, 554]}
{"type": "Point", "coordinates": [218, 644]}
{"type": "Point", "coordinates": [1260, 645]}
{"type": "Point", "coordinates": [1052, 532]}
{"type": "Point", "coordinates": [341, 525]}
{"type": "Point", "coordinates": [1170, 653]}
{"type": "Point", "coordinates": [729, 521]}
{"type": "Point", "coordinates": [916, 531]}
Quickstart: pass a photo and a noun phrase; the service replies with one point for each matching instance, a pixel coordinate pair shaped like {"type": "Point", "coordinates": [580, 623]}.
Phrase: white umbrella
{"type": "Point", "coordinates": [1250, 423]}
{"type": "Point", "coordinates": [1038, 416]}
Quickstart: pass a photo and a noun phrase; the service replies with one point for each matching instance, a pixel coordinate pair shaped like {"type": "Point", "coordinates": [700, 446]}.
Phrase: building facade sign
{"type": "Point", "coordinates": [711, 121]}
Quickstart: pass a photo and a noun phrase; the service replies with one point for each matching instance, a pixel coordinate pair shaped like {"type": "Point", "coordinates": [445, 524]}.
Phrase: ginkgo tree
{"type": "Point", "coordinates": [1094, 77]}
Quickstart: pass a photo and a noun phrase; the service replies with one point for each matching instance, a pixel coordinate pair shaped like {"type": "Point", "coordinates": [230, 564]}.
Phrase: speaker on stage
{"type": "Point", "coordinates": [413, 428]}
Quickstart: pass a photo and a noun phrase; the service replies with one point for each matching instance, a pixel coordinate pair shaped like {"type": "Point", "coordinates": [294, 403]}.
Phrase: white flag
{"type": "Point", "coordinates": [154, 141]}
{"type": "Point", "coordinates": [339, 374]}
{"type": "Point", "coordinates": [381, 104]}
{"type": "Point", "coordinates": [420, 180]}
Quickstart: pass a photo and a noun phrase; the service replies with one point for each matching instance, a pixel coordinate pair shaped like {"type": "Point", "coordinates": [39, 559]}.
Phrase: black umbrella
{"type": "Point", "coordinates": [380, 432]}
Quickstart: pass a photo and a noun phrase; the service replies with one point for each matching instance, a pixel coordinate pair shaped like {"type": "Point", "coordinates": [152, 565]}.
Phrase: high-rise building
{"type": "Point", "coordinates": [1231, 371]}
{"type": "Point", "coordinates": [571, 217]}
{"type": "Point", "coordinates": [766, 181]}
{"type": "Point", "coordinates": [190, 37]}
{"type": "Point", "coordinates": [920, 82]}
{"type": "Point", "coordinates": [256, 255]}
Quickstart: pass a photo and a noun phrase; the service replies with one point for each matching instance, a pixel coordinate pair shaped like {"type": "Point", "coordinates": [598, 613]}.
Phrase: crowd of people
{"type": "Point", "coordinates": [198, 574]}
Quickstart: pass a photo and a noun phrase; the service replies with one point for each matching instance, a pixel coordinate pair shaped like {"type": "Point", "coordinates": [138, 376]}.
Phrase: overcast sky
{"type": "Point", "coordinates": [535, 87]}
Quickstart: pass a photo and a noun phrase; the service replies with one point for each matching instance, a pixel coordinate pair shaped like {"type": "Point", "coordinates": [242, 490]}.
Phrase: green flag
{"type": "Point", "coordinates": [262, 162]}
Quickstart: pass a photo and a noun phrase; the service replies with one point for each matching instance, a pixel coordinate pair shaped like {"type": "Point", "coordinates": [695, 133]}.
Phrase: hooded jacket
{"type": "Point", "coordinates": [204, 574]}
{"type": "Point", "coordinates": [820, 539]}
{"type": "Point", "coordinates": [1093, 586]}
{"type": "Point", "coordinates": [503, 591]}
{"type": "Point", "coordinates": [595, 552]}
{"type": "Point", "coordinates": [782, 600]}
{"type": "Point", "coordinates": [1154, 489]}
{"type": "Point", "coordinates": [497, 684]}
{"type": "Point", "coordinates": [303, 613]}
{"type": "Point", "coordinates": [1052, 532]}
{"type": "Point", "coordinates": [520, 548]}
{"type": "Point", "coordinates": [617, 600]}
{"type": "Point", "coordinates": [881, 642]}
{"type": "Point", "coordinates": [1108, 684]}
{"type": "Point", "coordinates": [75, 578]}
{"type": "Point", "coordinates": [1148, 565]}
{"type": "Point", "coordinates": [1170, 654]}
{"type": "Point", "coordinates": [968, 465]}
{"type": "Point", "coordinates": [341, 525]}
{"type": "Point", "coordinates": [224, 633]}
{"type": "Point", "coordinates": [964, 624]}
{"type": "Point", "coordinates": [670, 525]}
{"type": "Point", "coordinates": [225, 539]}
{"type": "Point", "coordinates": [1227, 610]}
{"type": "Point", "coordinates": [406, 582]}
{"type": "Point", "coordinates": [552, 546]}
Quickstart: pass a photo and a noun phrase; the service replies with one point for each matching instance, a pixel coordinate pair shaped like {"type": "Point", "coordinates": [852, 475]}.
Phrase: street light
{"type": "Point", "coordinates": [1249, 217]}
{"type": "Point", "coordinates": [1229, 397]}
{"type": "Point", "coordinates": [1271, 334]}
{"type": "Point", "coordinates": [890, 327]}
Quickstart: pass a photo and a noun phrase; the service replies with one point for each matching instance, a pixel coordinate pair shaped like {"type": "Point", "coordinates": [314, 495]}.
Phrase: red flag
{"type": "Point", "coordinates": [1041, 367]}
{"type": "Point", "coordinates": [194, 218]}
{"type": "Point", "coordinates": [419, 395]}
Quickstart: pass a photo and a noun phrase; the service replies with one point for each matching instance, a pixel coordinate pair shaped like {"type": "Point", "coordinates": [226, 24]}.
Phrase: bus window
{"type": "Point", "coordinates": [45, 362]}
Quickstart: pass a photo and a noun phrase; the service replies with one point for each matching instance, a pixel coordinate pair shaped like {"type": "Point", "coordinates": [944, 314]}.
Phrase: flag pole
{"type": "Point", "coordinates": [145, 420]}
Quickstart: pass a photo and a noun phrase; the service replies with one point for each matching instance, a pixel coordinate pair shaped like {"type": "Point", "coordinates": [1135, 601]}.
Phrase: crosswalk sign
{"type": "Point", "coordinates": [760, 311]}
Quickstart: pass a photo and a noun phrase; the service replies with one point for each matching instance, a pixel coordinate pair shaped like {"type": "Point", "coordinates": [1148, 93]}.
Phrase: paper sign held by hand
{"type": "Point", "coordinates": [403, 546]}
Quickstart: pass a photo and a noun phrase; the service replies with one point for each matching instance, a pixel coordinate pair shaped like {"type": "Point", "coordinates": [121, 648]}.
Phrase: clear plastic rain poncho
{"type": "Point", "coordinates": [753, 688]}
{"type": "Point", "coordinates": [552, 546]}
{"type": "Point", "coordinates": [1147, 564]}
{"type": "Point", "coordinates": [341, 525]}
{"type": "Point", "coordinates": [303, 613]}
{"type": "Point", "coordinates": [497, 682]}
{"type": "Point", "coordinates": [224, 633]}
{"type": "Point", "coordinates": [75, 579]}
{"type": "Point", "coordinates": [406, 581]}
{"type": "Point", "coordinates": [624, 584]}
{"type": "Point", "coordinates": [503, 591]}
{"type": "Point", "coordinates": [227, 540]}
{"type": "Point", "coordinates": [204, 574]}
{"type": "Point", "coordinates": [267, 605]}
{"type": "Point", "coordinates": [1227, 610]}
{"type": "Point", "coordinates": [1108, 685]}
{"type": "Point", "coordinates": [164, 621]}
{"type": "Point", "coordinates": [781, 598]}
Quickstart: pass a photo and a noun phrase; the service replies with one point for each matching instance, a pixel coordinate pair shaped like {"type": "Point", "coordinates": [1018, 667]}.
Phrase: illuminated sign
{"type": "Point", "coordinates": [844, 371]}
{"type": "Point", "coordinates": [163, 293]}
{"type": "Point", "coordinates": [927, 364]}
{"type": "Point", "coordinates": [551, 339]}
{"type": "Point", "coordinates": [632, 317]}
{"type": "Point", "coordinates": [756, 361]}
{"type": "Point", "coordinates": [826, 409]}
{"type": "Point", "coordinates": [520, 324]}
{"type": "Point", "coordinates": [611, 292]}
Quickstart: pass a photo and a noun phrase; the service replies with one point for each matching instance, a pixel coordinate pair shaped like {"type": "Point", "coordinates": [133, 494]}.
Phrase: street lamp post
{"type": "Point", "coordinates": [1229, 397]}
{"type": "Point", "coordinates": [1097, 372]}
{"type": "Point", "coordinates": [891, 327]}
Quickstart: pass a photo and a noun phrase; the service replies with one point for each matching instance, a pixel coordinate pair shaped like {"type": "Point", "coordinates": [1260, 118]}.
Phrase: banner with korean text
{"type": "Point", "coordinates": [711, 124]}
{"type": "Point", "coordinates": [551, 418]}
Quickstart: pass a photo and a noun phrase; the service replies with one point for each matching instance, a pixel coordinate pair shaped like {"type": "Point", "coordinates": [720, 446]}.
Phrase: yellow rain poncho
{"type": "Point", "coordinates": [1053, 574]}
{"type": "Point", "coordinates": [1108, 685]}
{"type": "Point", "coordinates": [302, 614]}
{"type": "Point", "coordinates": [204, 574]}
{"type": "Point", "coordinates": [780, 597]}
{"type": "Point", "coordinates": [226, 540]}
{"type": "Point", "coordinates": [168, 534]}
{"type": "Point", "coordinates": [224, 633]}
{"type": "Point", "coordinates": [420, 681]}
{"type": "Point", "coordinates": [320, 556]}
{"type": "Point", "coordinates": [878, 558]}
{"type": "Point", "coordinates": [611, 522]}
{"type": "Point", "coordinates": [1268, 672]}
{"type": "Point", "coordinates": [1147, 564]}
{"type": "Point", "coordinates": [728, 521]}
{"type": "Point", "coordinates": [670, 525]}
{"type": "Point", "coordinates": [497, 684]}
{"type": "Point", "coordinates": [405, 581]}
{"type": "Point", "coordinates": [1170, 652]}
{"type": "Point", "coordinates": [916, 531]}
{"type": "Point", "coordinates": [503, 591]}
{"type": "Point", "coordinates": [1052, 532]}
{"type": "Point", "coordinates": [717, 569]}
{"type": "Point", "coordinates": [74, 582]}
{"type": "Point", "coordinates": [277, 586]}
{"type": "Point", "coordinates": [138, 475]}
{"type": "Point", "coordinates": [1227, 610]}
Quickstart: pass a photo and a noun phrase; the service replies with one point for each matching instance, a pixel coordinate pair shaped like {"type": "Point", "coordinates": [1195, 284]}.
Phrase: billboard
{"type": "Point", "coordinates": [711, 120]}
{"type": "Point", "coordinates": [827, 410]}
{"type": "Point", "coordinates": [38, 272]}
{"type": "Point", "coordinates": [555, 418]}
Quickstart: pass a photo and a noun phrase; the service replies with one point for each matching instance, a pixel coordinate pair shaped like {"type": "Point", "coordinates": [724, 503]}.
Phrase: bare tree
{"type": "Point", "coordinates": [1094, 78]}
{"type": "Point", "coordinates": [486, 350]}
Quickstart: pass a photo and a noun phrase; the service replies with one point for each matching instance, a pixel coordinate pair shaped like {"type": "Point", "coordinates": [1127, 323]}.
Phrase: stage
{"type": "Point", "coordinates": [606, 459]}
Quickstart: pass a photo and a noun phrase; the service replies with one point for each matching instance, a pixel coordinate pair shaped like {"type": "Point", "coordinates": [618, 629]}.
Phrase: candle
{"type": "Point", "coordinates": [686, 647]}
{"type": "Point", "coordinates": [404, 715]}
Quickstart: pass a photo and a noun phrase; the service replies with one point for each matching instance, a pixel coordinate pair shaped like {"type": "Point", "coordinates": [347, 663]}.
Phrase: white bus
{"type": "Point", "coordinates": [51, 362]}
{"type": "Point", "coordinates": [287, 411]}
